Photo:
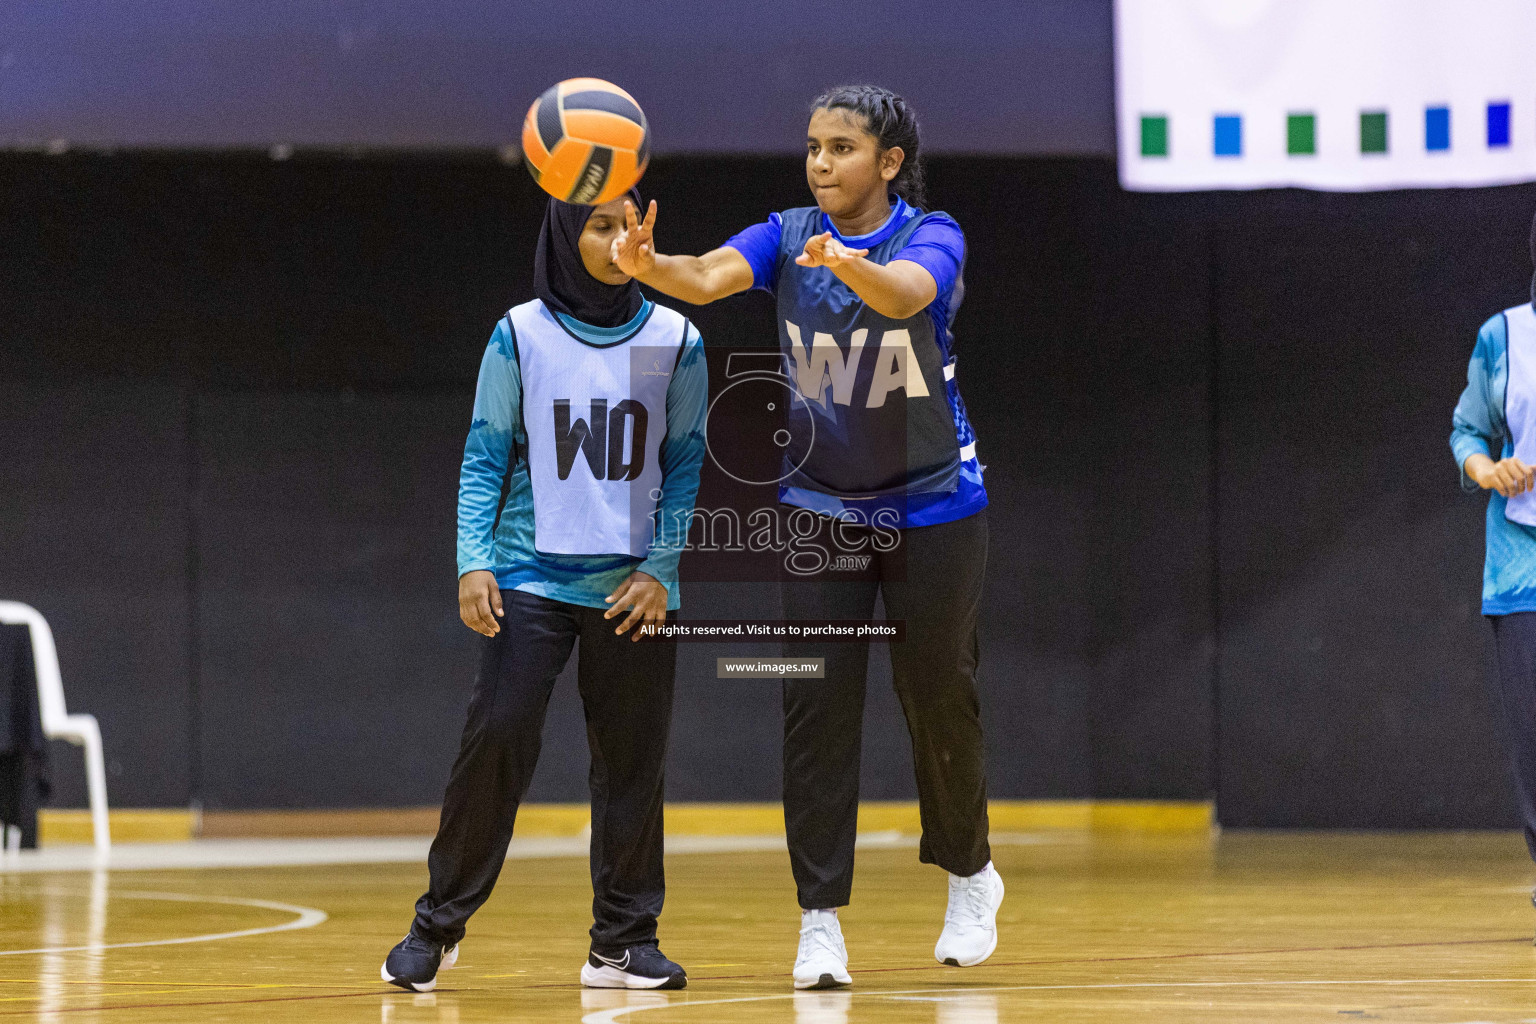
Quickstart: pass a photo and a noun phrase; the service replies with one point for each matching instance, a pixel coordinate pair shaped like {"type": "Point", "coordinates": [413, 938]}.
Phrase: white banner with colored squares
{"type": "Point", "coordinates": [1326, 94]}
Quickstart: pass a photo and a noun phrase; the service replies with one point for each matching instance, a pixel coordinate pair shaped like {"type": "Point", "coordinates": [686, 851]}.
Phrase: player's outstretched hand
{"type": "Point", "coordinates": [825, 251]}
{"type": "Point", "coordinates": [480, 602]}
{"type": "Point", "coordinates": [645, 598]}
{"type": "Point", "coordinates": [1507, 476]}
{"type": "Point", "coordinates": [634, 251]}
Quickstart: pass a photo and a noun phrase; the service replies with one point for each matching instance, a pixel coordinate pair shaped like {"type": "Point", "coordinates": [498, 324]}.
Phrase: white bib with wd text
{"type": "Point", "coordinates": [595, 416]}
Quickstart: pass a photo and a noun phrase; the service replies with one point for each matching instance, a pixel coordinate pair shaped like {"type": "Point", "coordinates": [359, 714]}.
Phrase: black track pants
{"type": "Point", "coordinates": [626, 689]}
{"type": "Point", "coordinates": [1514, 638]}
{"type": "Point", "coordinates": [933, 582]}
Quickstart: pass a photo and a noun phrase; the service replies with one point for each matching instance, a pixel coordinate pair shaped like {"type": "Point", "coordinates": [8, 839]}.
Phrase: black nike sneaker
{"type": "Point", "coordinates": [639, 966]}
{"type": "Point", "coordinates": [414, 963]}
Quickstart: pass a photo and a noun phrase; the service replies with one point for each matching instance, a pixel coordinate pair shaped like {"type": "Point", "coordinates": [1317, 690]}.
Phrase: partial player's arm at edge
{"type": "Point", "coordinates": [487, 456]}
{"type": "Point", "coordinates": [1477, 430]}
{"type": "Point", "coordinates": [682, 457]}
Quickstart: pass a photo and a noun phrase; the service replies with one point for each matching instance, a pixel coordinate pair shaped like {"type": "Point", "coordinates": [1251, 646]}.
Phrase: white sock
{"type": "Point", "coordinates": [808, 917]}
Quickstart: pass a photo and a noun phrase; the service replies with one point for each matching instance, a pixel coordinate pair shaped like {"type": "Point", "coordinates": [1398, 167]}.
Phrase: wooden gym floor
{"type": "Point", "coordinates": [1241, 927]}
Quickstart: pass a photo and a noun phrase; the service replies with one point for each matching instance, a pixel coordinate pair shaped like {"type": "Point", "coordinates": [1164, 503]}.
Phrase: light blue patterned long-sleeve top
{"type": "Point", "coordinates": [496, 507]}
{"type": "Point", "coordinates": [1509, 568]}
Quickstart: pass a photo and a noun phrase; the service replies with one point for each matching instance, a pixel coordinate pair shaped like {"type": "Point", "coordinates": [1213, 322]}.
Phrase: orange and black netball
{"type": "Point", "coordinates": [586, 141]}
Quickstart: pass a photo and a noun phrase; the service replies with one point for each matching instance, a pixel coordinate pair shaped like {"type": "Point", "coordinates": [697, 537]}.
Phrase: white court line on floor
{"type": "Point", "coordinates": [615, 1016]}
{"type": "Point", "coordinates": [306, 917]}
{"type": "Point", "coordinates": [271, 853]}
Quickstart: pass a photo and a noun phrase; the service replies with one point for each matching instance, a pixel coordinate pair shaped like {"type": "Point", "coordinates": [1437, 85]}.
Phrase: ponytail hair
{"type": "Point", "coordinates": [893, 123]}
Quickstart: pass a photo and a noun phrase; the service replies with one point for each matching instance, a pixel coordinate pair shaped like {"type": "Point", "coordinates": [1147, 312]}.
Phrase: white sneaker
{"type": "Point", "coordinates": [823, 959]}
{"type": "Point", "coordinates": [970, 923]}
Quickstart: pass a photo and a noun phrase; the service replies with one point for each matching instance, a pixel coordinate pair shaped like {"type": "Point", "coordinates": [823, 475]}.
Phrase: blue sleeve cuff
{"type": "Point", "coordinates": [1464, 446]}
{"type": "Point", "coordinates": [654, 567]}
{"type": "Point", "coordinates": [938, 246]}
{"type": "Point", "coordinates": [759, 245]}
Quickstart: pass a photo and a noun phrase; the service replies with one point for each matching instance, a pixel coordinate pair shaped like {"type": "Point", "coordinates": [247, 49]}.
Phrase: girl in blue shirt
{"type": "Point", "coordinates": [556, 545]}
{"type": "Point", "coordinates": [867, 284]}
{"type": "Point", "coordinates": [1493, 438]}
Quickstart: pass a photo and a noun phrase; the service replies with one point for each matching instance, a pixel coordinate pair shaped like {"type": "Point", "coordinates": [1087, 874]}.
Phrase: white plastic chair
{"type": "Point", "coordinates": [59, 724]}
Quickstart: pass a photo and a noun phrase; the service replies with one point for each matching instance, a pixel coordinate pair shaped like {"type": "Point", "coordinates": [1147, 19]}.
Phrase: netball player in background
{"type": "Point", "coordinates": [1497, 412]}
{"type": "Point", "coordinates": [591, 400]}
{"type": "Point", "coordinates": [867, 284]}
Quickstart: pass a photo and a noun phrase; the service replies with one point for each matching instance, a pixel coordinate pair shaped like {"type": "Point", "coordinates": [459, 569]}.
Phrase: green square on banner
{"type": "Point", "coordinates": [1301, 134]}
{"type": "Point", "coordinates": [1154, 136]}
{"type": "Point", "coordinates": [1373, 131]}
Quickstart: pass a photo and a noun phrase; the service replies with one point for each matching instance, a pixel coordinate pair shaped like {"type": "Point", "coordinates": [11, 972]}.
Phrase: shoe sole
{"type": "Point", "coordinates": [450, 960]}
{"type": "Point", "coordinates": [825, 981]}
{"type": "Point", "coordinates": [950, 961]}
{"type": "Point", "coordinates": [612, 977]}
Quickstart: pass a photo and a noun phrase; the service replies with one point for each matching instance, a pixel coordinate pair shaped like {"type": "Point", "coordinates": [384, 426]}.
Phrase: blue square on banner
{"type": "Point", "coordinates": [1498, 125]}
{"type": "Point", "coordinates": [1229, 135]}
{"type": "Point", "coordinates": [1437, 129]}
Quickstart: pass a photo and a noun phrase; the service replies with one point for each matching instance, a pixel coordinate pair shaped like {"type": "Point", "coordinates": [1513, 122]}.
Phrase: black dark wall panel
{"type": "Point", "coordinates": [94, 534]}
{"type": "Point", "coordinates": [334, 665]}
{"type": "Point", "coordinates": [1352, 673]}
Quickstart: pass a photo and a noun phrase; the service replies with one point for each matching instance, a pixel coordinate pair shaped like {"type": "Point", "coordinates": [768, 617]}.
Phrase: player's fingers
{"type": "Point", "coordinates": [652, 619]}
{"type": "Point", "coordinates": [630, 221]}
{"type": "Point", "coordinates": [471, 618]}
{"type": "Point", "coordinates": [496, 605]}
{"type": "Point", "coordinates": [619, 599]}
{"type": "Point", "coordinates": [483, 610]}
{"type": "Point", "coordinates": [650, 217]}
{"type": "Point", "coordinates": [635, 614]}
